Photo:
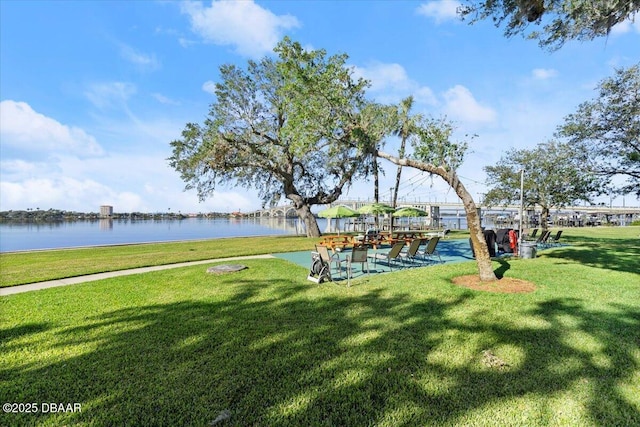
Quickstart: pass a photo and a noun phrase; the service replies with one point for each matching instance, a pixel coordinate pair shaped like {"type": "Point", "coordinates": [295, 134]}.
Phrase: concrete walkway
{"type": "Point", "coordinates": [99, 276]}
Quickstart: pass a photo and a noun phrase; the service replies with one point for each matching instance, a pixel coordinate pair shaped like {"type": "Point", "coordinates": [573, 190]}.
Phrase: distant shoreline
{"type": "Point", "coordinates": [57, 215]}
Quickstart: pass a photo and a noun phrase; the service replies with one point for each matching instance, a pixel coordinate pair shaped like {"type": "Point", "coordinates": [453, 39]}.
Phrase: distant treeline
{"type": "Point", "coordinates": [38, 215]}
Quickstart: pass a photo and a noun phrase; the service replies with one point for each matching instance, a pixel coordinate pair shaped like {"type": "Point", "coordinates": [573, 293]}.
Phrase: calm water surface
{"type": "Point", "coordinates": [30, 236]}
{"type": "Point", "coordinates": [34, 236]}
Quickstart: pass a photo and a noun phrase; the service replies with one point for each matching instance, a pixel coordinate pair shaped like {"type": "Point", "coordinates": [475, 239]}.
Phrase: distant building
{"type": "Point", "coordinates": [106, 211]}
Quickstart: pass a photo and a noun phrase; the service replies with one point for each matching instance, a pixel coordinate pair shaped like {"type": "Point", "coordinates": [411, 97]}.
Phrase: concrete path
{"type": "Point", "coordinates": [99, 276]}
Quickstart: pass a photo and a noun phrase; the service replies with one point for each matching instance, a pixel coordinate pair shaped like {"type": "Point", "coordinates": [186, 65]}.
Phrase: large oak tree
{"type": "Point", "coordinates": [294, 127]}
{"type": "Point", "coordinates": [608, 128]}
{"type": "Point", "coordinates": [555, 175]}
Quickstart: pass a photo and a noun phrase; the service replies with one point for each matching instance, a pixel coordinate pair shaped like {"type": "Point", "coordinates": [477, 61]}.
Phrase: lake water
{"type": "Point", "coordinates": [34, 236]}
{"type": "Point", "coordinates": [30, 236]}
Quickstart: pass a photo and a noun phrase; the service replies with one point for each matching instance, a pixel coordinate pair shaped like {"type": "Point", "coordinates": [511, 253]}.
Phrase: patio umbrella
{"type": "Point", "coordinates": [338, 211]}
{"type": "Point", "coordinates": [375, 209]}
{"type": "Point", "coordinates": [409, 211]}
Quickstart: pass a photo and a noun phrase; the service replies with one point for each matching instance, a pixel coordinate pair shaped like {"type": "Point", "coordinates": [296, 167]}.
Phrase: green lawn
{"type": "Point", "coordinates": [18, 268]}
{"type": "Point", "coordinates": [180, 347]}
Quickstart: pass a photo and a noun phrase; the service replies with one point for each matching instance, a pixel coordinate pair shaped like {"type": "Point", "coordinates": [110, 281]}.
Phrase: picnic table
{"type": "Point", "coordinates": [371, 239]}
{"type": "Point", "coordinates": [406, 236]}
{"type": "Point", "coordinates": [338, 243]}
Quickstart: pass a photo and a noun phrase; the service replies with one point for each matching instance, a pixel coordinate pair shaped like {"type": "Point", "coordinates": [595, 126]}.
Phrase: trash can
{"type": "Point", "coordinates": [528, 250]}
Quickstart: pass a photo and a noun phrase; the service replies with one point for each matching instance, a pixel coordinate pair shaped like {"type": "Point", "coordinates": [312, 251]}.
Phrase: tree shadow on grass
{"type": "Point", "coordinates": [283, 352]}
{"type": "Point", "coordinates": [10, 337]}
{"type": "Point", "coordinates": [21, 330]}
{"type": "Point", "coordinates": [612, 254]}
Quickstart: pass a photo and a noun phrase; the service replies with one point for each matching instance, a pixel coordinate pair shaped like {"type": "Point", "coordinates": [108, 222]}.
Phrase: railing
{"type": "Point", "coordinates": [290, 212]}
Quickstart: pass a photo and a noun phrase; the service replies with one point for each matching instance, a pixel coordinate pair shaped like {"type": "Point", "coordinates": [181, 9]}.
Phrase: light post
{"type": "Point", "coordinates": [393, 205]}
{"type": "Point", "coordinates": [521, 208]}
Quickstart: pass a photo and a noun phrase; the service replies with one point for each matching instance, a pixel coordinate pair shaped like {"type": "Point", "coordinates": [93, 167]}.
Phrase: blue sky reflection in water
{"type": "Point", "coordinates": [17, 237]}
{"type": "Point", "coordinates": [31, 236]}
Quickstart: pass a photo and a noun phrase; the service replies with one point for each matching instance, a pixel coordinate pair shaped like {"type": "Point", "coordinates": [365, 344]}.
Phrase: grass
{"type": "Point", "coordinates": [18, 268]}
{"type": "Point", "coordinates": [180, 347]}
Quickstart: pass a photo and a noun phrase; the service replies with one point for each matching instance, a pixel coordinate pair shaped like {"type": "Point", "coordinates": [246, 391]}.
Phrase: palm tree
{"type": "Point", "coordinates": [377, 122]}
{"type": "Point", "coordinates": [406, 126]}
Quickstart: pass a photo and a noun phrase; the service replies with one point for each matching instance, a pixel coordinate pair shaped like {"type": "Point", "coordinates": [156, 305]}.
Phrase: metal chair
{"type": "Point", "coordinates": [358, 255]}
{"type": "Point", "coordinates": [555, 239]}
{"type": "Point", "coordinates": [430, 251]}
{"type": "Point", "coordinates": [394, 253]}
{"type": "Point", "coordinates": [532, 236]}
{"type": "Point", "coordinates": [412, 250]}
{"type": "Point", "coordinates": [542, 241]}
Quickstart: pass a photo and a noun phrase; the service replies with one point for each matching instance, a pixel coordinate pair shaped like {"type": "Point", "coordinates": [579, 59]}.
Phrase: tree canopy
{"type": "Point", "coordinates": [295, 126]}
{"type": "Point", "coordinates": [555, 175]}
{"type": "Point", "coordinates": [608, 128]}
{"type": "Point", "coordinates": [561, 20]}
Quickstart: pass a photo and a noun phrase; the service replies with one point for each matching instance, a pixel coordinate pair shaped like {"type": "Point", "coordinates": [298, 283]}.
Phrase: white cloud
{"type": "Point", "coordinates": [390, 83]}
{"type": "Point", "coordinates": [65, 193]}
{"type": "Point", "coordinates": [25, 129]}
{"type": "Point", "coordinates": [425, 95]}
{"type": "Point", "coordinates": [185, 202]}
{"type": "Point", "coordinates": [86, 195]}
{"type": "Point", "coordinates": [253, 30]}
{"type": "Point", "coordinates": [185, 42]}
{"type": "Point", "coordinates": [209, 87]}
{"type": "Point", "coordinates": [164, 100]}
{"type": "Point", "coordinates": [544, 73]}
{"type": "Point", "coordinates": [16, 168]}
{"type": "Point", "coordinates": [441, 10]}
{"type": "Point", "coordinates": [111, 94]}
{"type": "Point", "coordinates": [385, 76]}
{"type": "Point", "coordinates": [127, 181]}
{"type": "Point", "coordinates": [141, 60]}
{"type": "Point", "coordinates": [460, 104]}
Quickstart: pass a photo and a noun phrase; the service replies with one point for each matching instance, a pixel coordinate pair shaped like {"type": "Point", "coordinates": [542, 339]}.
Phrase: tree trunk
{"type": "Point", "coordinates": [310, 222]}
{"type": "Point", "coordinates": [394, 201]}
{"type": "Point", "coordinates": [483, 260]}
{"type": "Point", "coordinates": [376, 183]}
{"type": "Point", "coordinates": [376, 188]}
{"type": "Point", "coordinates": [543, 218]}
{"type": "Point", "coordinates": [303, 209]}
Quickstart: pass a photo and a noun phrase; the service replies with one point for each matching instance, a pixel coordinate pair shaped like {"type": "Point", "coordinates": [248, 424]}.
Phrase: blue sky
{"type": "Point", "coordinates": [93, 92]}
